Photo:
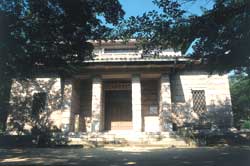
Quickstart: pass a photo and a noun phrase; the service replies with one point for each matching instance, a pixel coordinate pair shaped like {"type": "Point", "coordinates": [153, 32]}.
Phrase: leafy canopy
{"type": "Point", "coordinates": [53, 33]}
{"type": "Point", "coordinates": [221, 35]}
{"type": "Point", "coordinates": [240, 90]}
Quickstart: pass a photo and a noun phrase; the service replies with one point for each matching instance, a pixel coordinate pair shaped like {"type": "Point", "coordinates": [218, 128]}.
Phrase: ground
{"type": "Point", "coordinates": [208, 156]}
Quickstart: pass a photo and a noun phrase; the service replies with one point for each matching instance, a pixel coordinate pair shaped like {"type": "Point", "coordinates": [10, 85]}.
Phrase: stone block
{"type": "Point", "coordinates": [152, 124]}
{"type": "Point", "coordinates": [136, 103]}
{"type": "Point", "coordinates": [96, 122]}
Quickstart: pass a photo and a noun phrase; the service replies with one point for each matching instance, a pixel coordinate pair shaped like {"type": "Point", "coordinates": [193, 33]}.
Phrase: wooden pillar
{"type": "Point", "coordinates": [136, 103]}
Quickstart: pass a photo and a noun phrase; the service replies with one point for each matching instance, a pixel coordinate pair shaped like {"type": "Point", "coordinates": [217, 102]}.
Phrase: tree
{"type": "Point", "coordinates": [49, 34]}
{"type": "Point", "coordinates": [224, 35]}
{"type": "Point", "coordinates": [240, 90]}
{"type": "Point", "coordinates": [220, 36]}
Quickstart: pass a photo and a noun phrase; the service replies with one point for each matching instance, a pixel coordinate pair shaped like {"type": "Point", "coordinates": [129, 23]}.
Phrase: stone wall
{"type": "Point", "coordinates": [56, 113]}
{"type": "Point", "coordinates": [217, 94]}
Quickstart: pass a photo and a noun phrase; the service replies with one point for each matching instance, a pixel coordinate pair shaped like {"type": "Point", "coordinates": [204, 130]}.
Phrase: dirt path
{"type": "Point", "coordinates": [228, 156]}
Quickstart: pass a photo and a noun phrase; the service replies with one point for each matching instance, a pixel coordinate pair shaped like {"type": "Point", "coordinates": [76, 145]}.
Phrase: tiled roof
{"type": "Point", "coordinates": [118, 51]}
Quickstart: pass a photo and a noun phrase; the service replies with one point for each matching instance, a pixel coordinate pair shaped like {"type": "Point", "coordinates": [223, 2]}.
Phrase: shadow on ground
{"type": "Point", "coordinates": [229, 156]}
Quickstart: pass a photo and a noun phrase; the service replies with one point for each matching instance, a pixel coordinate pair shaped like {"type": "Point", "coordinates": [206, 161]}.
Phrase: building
{"type": "Point", "coordinates": [122, 90]}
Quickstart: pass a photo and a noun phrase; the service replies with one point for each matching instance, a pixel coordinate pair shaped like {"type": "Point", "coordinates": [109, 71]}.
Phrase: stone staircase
{"type": "Point", "coordinates": [127, 138]}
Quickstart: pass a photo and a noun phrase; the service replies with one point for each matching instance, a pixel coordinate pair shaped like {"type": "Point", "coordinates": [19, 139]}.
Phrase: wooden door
{"type": "Point", "coordinates": [118, 111]}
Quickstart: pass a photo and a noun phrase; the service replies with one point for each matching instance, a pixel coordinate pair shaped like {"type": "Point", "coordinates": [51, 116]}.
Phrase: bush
{"type": "Point", "coordinates": [1, 129]}
{"type": "Point", "coordinates": [44, 135]}
{"type": "Point", "coordinates": [246, 124]}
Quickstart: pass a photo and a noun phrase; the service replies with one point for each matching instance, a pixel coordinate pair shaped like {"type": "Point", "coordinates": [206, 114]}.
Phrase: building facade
{"type": "Point", "coordinates": [121, 89]}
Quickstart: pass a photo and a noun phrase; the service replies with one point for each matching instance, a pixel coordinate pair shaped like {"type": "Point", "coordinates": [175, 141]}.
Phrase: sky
{"type": "Point", "coordinates": [138, 7]}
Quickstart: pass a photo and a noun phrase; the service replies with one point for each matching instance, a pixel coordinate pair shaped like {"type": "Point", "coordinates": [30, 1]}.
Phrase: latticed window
{"type": "Point", "coordinates": [199, 101]}
{"type": "Point", "coordinates": [117, 85]}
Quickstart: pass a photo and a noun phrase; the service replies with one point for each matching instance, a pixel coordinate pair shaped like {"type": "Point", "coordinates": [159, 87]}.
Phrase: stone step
{"type": "Point", "coordinates": [120, 138]}
{"type": "Point", "coordinates": [94, 143]}
{"type": "Point", "coordinates": [123, 139]}
{"type": "Point", "coordinates": [130, 137]}
{"type": "Point", "coordinates": [132, 144]}
{"type": "Point", "coordinates": [159, 145]}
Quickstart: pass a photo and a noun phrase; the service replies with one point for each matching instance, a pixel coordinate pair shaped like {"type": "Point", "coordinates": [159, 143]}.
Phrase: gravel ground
{"type": "Point", "coordinates": [208, 156]}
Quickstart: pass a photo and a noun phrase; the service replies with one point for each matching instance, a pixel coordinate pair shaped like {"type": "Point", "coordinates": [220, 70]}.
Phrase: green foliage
{"type": "Point", "coordinates": [224, 35]}
{"type": "Point", "coordinates": [1, 128]}
{"type": "Point", "coordinates": [240, 90]}
{"type": "Point", "coordinates": [246, 124]}
{"type": "Point", "coordinates": [53, 33]}
{"type": "Point", "coordinates": [220, 36]}
{"type": "Point", "coordinates": [156, 30]}
{"type": "Point", "coordinates": [44, 135]}
{"type": "Point", "coordinates": [187, 134]}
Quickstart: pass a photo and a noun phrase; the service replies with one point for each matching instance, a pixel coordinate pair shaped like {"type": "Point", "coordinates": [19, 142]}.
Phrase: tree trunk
{"type": "Point", "coordinates": [5, 87]}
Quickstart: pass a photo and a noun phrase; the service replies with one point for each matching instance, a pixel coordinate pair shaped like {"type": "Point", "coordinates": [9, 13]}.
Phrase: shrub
{"type": "Point", "coordinates": [246, 124]}
{"type": "Point", "coordinates": [1, 129]}
{"type": "Point", "coordinates": [44, 135]}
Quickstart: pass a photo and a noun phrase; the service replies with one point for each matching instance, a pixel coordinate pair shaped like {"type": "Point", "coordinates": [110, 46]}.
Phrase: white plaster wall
{"type": "Point", "coordinates": [217, 93]}
{"type": "Point", "coordinates": [21, 103]}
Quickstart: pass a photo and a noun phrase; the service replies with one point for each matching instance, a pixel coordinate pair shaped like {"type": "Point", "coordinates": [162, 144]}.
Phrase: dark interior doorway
{"type": "Point", "coordinates": [118, 110]}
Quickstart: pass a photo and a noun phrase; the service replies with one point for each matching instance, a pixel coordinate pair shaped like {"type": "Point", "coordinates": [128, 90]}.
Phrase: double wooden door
{"type": "Point", "coordinates": [118, 110]}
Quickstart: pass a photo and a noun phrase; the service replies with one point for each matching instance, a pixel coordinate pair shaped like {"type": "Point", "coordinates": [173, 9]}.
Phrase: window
{"type": "Point", "coordinates": [120, 50]}
{"type": "Point", "coordinates": [199, 101]}
{"type": "Point", "coordinates": [38, 103]}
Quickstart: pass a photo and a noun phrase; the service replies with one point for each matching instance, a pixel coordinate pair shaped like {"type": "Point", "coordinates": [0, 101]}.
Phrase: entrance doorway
{"type": "Point", "coordinates": [118, 110]}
